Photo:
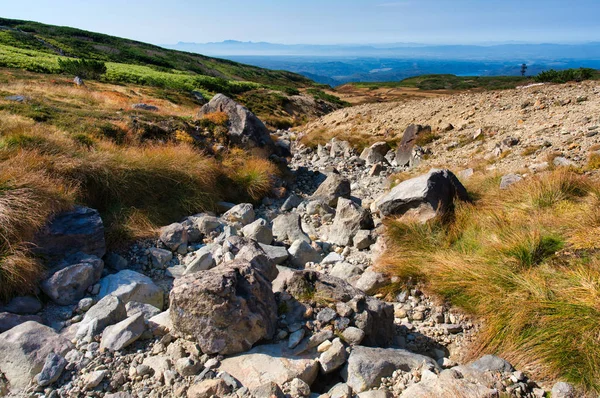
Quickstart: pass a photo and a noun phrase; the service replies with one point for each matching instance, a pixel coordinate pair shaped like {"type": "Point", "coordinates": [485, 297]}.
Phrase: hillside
{"type": "Point", "coordinates": [469, 129]}
{"type": "Point", "coordinates": [277, 96]}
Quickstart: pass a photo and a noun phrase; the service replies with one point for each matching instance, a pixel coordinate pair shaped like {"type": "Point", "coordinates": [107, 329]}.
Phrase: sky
{"type": "Point", "coordinates": [323, 21]}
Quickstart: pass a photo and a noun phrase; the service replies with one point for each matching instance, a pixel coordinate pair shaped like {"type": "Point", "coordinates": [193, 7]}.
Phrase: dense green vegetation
{"type": "Point", "coordinates": [77, 43]}
{"type": "Point", "coordinates": [453, 82]}
{"type": "Point", "coordinates": [567, 75]}
{"type": "Point", "coordinates": [84, 68]}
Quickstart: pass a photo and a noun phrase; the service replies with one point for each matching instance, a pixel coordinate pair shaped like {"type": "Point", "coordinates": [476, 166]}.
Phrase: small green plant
{"type": "Point", "coordinates": [84, 68]}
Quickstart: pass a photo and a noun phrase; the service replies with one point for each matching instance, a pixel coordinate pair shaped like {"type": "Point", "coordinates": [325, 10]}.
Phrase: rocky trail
{"type": "Point", "coordinates": [277, 300]}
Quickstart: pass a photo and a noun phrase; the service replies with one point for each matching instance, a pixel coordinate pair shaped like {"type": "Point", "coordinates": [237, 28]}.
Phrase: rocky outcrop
{"type": "Point", "coordinates": [423, 197]}
{"type": "Point", "coordinates": [375, 153]}
{"type": "Point", "coordinates": [24, 349]}
{"type": "Point", "coordinates": [79, 230]}
{"type": "Point", "coordinates": [245, 129]}
{"type": "Point", "coordinates": [226, 309]}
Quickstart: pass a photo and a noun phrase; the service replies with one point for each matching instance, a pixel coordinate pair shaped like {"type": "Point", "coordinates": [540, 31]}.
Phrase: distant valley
{"type": "Point", "coordinates": [336, 65]}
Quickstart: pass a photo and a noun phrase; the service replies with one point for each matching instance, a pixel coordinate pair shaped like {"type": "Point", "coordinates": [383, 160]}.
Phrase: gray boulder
{"type": "Point", "coordinates": [144, 107]}
{"type": "Point", "coordinates": [349, 219]}
{"type": "Point", "coordinates": [129, 285]}
{"type": "Point", "coordinates": [201, 260]}
{"type": "Point", "coordinates": [68, 285]}
{"type": "Point", "coordinates": [291, 202]}
{"type": "Point", "coordinates": [404, 153]}
{"type": "Point", "coordinates": [53, 368]}
{"type": "Point", "coordinates": [147, 310]}
{"type": "Point", "coordinates": [424, 197]}
{"type": "Point", "coordinates": [173, 236]}
{"type": "Point", "coordinates": [508, 180]}
{"type": "Point", "coordinates": [371, 281]}
{"type": "Point", "coordinates": [160, 257]}
{"type": "Point", "coordinates": [79, 230]}
{"type": "Point", "coordinates": [362, 240]}
{"type": "Point", "coordinates": [277, 254]}
{"type": "Point", "coordinates": [491, 363]}
{"type": "Point", "coordinates": [105, 312]}
{"type": "Point", "coordinates": [332, 359]}
{"type": "Point", "coordinates": [24, 350]}
{"type": "Point", "coordinates": [245, 129]}
{"type": "Point", "coordinates": [240, 214]}
{"type": "Point", "coordinates": [367, 366]}
{"type": "Point", "coordinates": [287, 227]}
{"type": "Point", "coordinates": [226, 309]}
{"type": "Point", "coordinates": [335, 186]}
{"type": "Point", "coordinates": [375, 153]}
{"type": "Point", "coordinates": [302, 253]}
{"type": "Point", "coordinates": [124, 333]}
{"type": "Point", "coordinates": [448, 384]}
{"type": "Point", "coordinates": [9, 320]}
{"type": "Point", "coordinates": [260, 231]}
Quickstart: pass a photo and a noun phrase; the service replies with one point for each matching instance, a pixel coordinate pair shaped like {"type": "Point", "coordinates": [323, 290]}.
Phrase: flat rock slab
{"type": "Point", "coordinates": [271, 363]}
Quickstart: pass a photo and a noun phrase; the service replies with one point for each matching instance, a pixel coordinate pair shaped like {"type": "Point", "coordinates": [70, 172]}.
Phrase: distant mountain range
{"type": "Point", "coordinates": [339, 64]}
{"type": "Point", "coordinates": [394, 50]}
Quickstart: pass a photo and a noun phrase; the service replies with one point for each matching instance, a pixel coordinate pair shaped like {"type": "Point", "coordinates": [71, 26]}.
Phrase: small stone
{"type": "Point", "coordinates": [326, 315]}
{"type": "Point", "coordinates": [299, 388]}
{"type": "Point", "coordinates": [93, 379]}
{"type": "Point", "coordinates": [296, 337]}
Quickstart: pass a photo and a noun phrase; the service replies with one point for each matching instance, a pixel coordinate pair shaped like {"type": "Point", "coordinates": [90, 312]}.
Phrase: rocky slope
{"type": "Point", "coordinates": [509, 130]}
{"type": "Point", "coordinates": [275, 300]}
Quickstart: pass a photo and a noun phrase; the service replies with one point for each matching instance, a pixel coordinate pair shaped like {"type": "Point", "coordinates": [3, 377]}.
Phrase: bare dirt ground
{"type": "Point", "coordinates": [363, 95]}
{"type": "Point", "coordinates": [508, 130]}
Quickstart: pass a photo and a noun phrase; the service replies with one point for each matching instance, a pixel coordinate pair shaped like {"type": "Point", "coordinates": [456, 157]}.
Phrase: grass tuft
{"type": "Point", "coordinates": [527, 264]}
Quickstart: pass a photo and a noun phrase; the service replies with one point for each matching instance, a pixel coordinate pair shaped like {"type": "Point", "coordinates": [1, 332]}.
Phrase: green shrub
{"type": "Point", "coordinates": [84, 68]}
{"type": "Point", "coordinates": [563, 76]}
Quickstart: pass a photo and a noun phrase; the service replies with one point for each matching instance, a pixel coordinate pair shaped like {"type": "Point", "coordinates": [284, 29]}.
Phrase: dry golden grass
{"type": "Point", "coordinates": [136, 188]}
{"type": "Point", "coordinates": [525, 261]}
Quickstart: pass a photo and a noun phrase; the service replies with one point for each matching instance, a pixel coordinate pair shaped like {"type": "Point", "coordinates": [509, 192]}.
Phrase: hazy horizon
{"type": "Point", "coordinates": [336, 22]}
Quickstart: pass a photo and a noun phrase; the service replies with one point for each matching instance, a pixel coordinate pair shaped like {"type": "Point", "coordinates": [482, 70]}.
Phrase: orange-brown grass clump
{"type": "Point", "coordinates": [254, 175]}
{"type": "Point", "coordinates": [526, 262]}
{"type": "Point", "coordinates": [44, 170]}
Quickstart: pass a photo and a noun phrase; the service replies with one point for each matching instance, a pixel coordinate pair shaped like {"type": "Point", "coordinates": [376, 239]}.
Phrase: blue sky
{"type": "Point", "coordinates": [323, 21]}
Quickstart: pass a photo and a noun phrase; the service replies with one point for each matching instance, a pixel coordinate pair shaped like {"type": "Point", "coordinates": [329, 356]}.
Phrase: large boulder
{"type": "Point", "coordinates": [173, 236]}
{"type": "Point", "coordinates": [335, 186]}
{"type": "Point", "coordinates": [349, 219]}
{"type": "Point", "coordinates": [302, 253]}
{"type": "Point", "coordinates": [405, 149]}
{"type": "Point", "coordinates": [226, 309]}
{"type": "Point", "coordinates": [245, 129]}
{"type": "Point", "coordinates": [372, 316]}
{"type": "Point", "coordinates": [423, 197]}
{"type": "Point", "coordinates": [78, 230]}
{"type": "Point", "coordinates": [366, 366]}
{"type": "Point", "coordinates": [129, 286]}
{"type": "Point", "coordinates": [69, 284]}
{"type": "Point", "coordinates": [271, 363]}
{"type": "Point", "coordinates": [24, 350]}
{"type": "Point", "coordinates": [260, 231]}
